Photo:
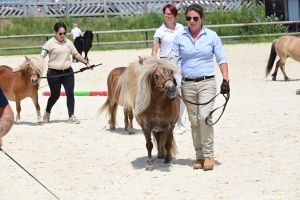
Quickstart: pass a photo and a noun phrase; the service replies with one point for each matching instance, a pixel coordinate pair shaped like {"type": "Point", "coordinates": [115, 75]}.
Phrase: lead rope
{"type": "Point", "coordinates": [226, 96]}
{"type": "Point", "coordinates": [28, 173]}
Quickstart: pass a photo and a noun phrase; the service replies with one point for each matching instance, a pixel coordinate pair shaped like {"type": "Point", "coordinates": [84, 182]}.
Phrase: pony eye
{"type": "Point", "coordinates": [156, 76]}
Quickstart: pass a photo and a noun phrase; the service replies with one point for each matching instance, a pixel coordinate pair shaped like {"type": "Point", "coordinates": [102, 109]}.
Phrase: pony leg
{"type": "Point", "coordinates": [18, 108]}
{"type": "Point", "coordinates": [278, 64]}
{"type": "Point", "coordinates": [113, 112]}
{"type": "Point", "coordinates": [126, 118]}
{"type": "Point", "coordinates": [149, 146]}
{"type": "Point", "coordinates": [130, 116]}
{"type": "Point", "coordinates": [159, 144]}
{"type": "Point", "coordinates": [282, 67]}
{"type": "Point", "coordinates": [37, 107]}
{"type": "Point", "coordinates": [85, 56]}
{"type": "Point", "coordinates": [168, 147]}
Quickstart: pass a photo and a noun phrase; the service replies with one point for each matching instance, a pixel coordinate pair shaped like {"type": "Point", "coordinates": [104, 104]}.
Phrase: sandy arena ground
{"type": "Point", "coordinates": [257, 147]}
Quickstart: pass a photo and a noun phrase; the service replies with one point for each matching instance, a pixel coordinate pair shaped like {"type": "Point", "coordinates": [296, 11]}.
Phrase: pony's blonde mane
{"type": "Point", "coordinates": [143, 94]}
{"type": "Point", "coordinates": [36, 62]}
{"type": "Point", "coordinates": [127, 84]}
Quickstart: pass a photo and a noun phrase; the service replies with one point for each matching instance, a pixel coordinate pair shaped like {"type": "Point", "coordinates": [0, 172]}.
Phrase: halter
{"type": "Point", "coordinates": [161, 88]}
{"type": "Point", "coordinates": [30, 75]}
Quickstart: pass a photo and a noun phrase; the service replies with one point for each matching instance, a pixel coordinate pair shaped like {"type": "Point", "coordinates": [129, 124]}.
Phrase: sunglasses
{"type": "Point", "coordinates": [194, 18]}
{"type": "Point", "coordinates": [62, 33]}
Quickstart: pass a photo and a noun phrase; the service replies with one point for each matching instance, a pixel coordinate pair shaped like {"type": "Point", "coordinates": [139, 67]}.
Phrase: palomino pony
{"type": "Point", "coordinates": [155, 103]}
{"type": "Point", "coordinates": [84, 44]}
{"type": "Point", "coordinates": [112, 101]}
{"type": "Point", "coordinates": [22, 82]}
{"type": "Point", "coordinates": [284, 47]}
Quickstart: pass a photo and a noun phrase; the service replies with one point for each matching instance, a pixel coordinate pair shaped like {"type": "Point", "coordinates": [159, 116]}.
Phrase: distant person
{"type": "Point", "coordinates": [76, 32]}
{"type": "Point", "coordinates": [60, 50]}
{"type": "Point", "coordinates": [6, 116]}
{"type": "Point", "coordinates": [163, 40]}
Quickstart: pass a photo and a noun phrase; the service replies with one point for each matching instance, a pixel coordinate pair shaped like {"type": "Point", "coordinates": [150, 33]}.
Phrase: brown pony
{"type": "Point", "coordinates": [155, 103]}
{"type": "Point", "coordinates": [112, 101]}
{"type": "Point", "coordinates": [284, 47]}
{"type": "Point", "coordinates": [22, 82]}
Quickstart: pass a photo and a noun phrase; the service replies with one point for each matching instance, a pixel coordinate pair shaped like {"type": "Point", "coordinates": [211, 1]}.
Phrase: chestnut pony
{"type": "Point", "coordinates": [284, 47]}
{"type": "Point", "coordinates": [22, 82]}
{"type": "Point", "coordinates": [112, 100]}
{"type": "Point", "coordinates": [150, 90]}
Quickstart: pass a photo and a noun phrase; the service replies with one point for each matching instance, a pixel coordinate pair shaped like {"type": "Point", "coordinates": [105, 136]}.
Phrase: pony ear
{"type": "Point", "coordinates": [141, 60]}
{"type": "Point", "coordinates": [26, 58]}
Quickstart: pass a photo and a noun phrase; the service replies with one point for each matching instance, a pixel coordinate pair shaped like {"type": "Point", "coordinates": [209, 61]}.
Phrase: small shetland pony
{"type": "Point", "coordinates": [84, 44]}
{"type": "Point", "coordinates": [112, 101]}
{"type": "Point", "coordinates": [22, 82]}
{"type": "Point", "coordinates": [284, 47]}
{"type": "Point", "coordinates": [155, 103]}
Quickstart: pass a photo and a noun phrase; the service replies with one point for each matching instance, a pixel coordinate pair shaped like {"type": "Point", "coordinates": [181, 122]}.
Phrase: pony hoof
{"type": "Point", "coordinates": [149, 167]}
{"type": "Point", "coordinates": [160, 157]}
{"type": "Point", "coordinates": [131, 131]}
{"type": "Point", "coordinates": [19, 121]}
{"type": "Point", "coordinates": [273, 79]}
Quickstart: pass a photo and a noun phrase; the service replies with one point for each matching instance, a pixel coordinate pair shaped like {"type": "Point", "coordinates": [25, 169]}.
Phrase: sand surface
{"type": "Point", "coordinates": [257, 147]}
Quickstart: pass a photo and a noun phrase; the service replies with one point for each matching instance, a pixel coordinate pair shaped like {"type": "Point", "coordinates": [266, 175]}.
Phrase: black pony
{"type": "Point", "coordinates": [83, 44]}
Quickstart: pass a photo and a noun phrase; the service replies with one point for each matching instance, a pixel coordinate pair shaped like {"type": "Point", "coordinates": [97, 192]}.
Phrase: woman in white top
{"type": "Point", "coordinates": [163, 41]}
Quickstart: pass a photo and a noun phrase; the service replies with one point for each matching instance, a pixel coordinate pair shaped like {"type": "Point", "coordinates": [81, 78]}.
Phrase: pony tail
{"type": "Point", "coordinates": [271, 58]}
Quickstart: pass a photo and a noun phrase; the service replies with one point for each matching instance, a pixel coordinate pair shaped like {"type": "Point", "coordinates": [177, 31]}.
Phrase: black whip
{"type": "Point", "coordinates": [81, 70]}
{"type": "Point", "coordinates": [28, 172]}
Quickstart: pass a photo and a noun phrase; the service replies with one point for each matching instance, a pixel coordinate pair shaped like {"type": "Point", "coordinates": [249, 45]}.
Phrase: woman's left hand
{"type": "Point", "coordinates": [89, 66]}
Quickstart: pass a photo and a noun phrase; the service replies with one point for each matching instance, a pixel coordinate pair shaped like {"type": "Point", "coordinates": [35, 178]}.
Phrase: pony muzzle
{"type": "Point", "coordinates": [34, 81]}
{"type": "Point", "coordinates": [170, 90]}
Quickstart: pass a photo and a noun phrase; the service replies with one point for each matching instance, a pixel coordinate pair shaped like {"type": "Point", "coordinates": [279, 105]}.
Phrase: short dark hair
{"type": "Point", "coordinates": [59, 25]}
{"type": "Point", "coordinates": [172, 9]}
{"type": "Point", "coordinates": [195, 7]}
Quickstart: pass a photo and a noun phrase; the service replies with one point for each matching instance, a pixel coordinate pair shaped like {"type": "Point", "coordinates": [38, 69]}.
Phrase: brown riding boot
{"type": "Point", "coordinates": [199, 164]}
{"type": "Point", "coordinates": [208, 163]}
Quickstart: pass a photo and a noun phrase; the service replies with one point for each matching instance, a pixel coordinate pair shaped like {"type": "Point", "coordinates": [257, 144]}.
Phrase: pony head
{"type": "Point", "coordinates": [157, 73]}
{"type": "Point", "coordinates": [34, 67]}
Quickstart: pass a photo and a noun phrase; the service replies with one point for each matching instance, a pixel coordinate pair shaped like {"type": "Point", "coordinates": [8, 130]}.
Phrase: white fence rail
{"type": "Point", "coordinates": [149, 40]}
{"type": "Point", "coordinates": [105, 8]}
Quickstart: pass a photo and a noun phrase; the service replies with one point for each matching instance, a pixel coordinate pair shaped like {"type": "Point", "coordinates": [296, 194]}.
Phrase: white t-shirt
{"type": "Point", "coordinates": [76, 32]}
{"type": "Point", "coordinates": [166, 37]}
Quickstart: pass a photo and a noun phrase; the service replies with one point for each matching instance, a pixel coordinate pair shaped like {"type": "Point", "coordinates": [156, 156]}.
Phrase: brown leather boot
{"type": "Point", "coordinates": [199, 164]}
{"type": "Point", "coordinates": [208, 163]}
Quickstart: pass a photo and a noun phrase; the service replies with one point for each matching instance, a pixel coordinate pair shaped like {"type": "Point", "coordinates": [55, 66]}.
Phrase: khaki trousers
{"type": "Point", "coordinates": [203, 135]}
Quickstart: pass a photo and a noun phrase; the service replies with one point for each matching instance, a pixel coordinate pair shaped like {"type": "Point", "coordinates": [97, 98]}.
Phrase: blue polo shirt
{"type": "Point", "coordinates": [3, 100]}
{"type": "Point", "coordinates": [197, 57]}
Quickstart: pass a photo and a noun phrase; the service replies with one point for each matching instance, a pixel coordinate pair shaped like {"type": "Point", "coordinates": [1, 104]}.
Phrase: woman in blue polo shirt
{"type": "Point", "coordinates": [196, 45]}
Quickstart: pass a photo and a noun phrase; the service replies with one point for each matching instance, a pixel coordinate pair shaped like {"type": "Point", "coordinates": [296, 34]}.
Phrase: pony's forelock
{"type": "Point", "coordinates": [36, 62]}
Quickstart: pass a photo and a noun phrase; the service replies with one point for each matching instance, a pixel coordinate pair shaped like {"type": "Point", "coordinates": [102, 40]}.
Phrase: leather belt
{"type": "Point", "coordinates": [198, 78]}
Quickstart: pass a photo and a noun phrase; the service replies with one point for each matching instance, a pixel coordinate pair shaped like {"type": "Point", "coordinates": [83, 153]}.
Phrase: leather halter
{"type": "Point", "coordinates": [161, 88]}
{"type": "Point", "coordinates": [30, 75]}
